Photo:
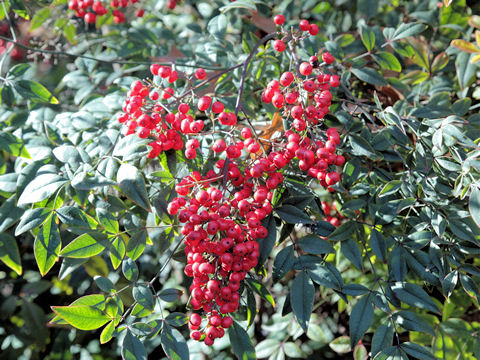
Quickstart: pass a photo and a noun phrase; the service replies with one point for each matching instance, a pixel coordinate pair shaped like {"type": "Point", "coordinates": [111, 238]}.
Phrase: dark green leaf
{"type": "Point", "coordinates": [369, 75]}
{"type": "Point", "coordinates": [315, 245]}
{"type": "Point", "coordinates": [410, 321]}
{"type": "Point", "coordinates": [474, 205]}
{"type": "Point", "coordinates": [31, 219]}
{"type": "Point", "coordinates": [9, 253]}
{"type": "Point", "coordinates": [301, 298]}
{"type": "Point", "coordinates": [382, 338]}
{"type": "Point", "coordinates": [47, 245]}
{"type": "Point", "coordinates": [173, 343]}
{"type": "Point", "coordinates": [130, 270]}
{"type": "Point", "coordinates": [144, 296]}
{"type": "Point", "coordinates": [417, 351]}
{"type": "Point", "coordinates": [292, 215]}
{"type": "Point", "coordinates": [414, 295]}
{"type": "Point", "coordinates": [34, 91]}
{"type": "Point", "coordinates": [360, 319]}
{"type": "Point", "coordinates": [132, 348]}
{"type": "Point", "coordinates": [41, 188]}
{"type": "Point", "coordinates": [131, 183]}
{"type": "Point", "coordinates": [283, 263]}
{"type": "Point", "coordinates": [241, 343]}
{"type": "Point", "coordinates": [267, 243]}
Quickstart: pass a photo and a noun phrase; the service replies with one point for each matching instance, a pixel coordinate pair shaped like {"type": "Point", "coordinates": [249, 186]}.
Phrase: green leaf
{"type": "Point", "coordinates": [368, 38]}
{"type": "Point", "coordinates": [465, 69]}
{"type": "Point", "coordinates": [34, 91]}
{"type": "Point", "coordinates": [130, 270]}
{"type": "Point", "coordinates": [131, 183]}
{"type": "Point", "coordinates": [173, 343]}
{"type": "Point", "coordinates": [170, 295]}
{"type": "Point", "coordinates": [292, 215]}
{"type": "Point", "coordinates": [132, 348]}
{"type": "Point", "coordinates": [10, 143]}
{"type": "Point", "coordinates": [315, 245]}
{"type": "Point", "coordinates": [107, 220]}
{"type": "Point", "coordinates": [239, 4]}
{"type": "Point", "coordinates": [217, 26]}
{"type": "Point", "coordinates": [136, 245]}
{"type": "Point", "coordinates": [261, 290]}
{"type": "Point", "coordinates": [388, 61]}
{"type": "Point", "coordinates": [144, 296]}
{"type": "Point", "coordinates": [107, 332]}
{"type": "Point", "coordinates": [410, 321]}
{"type": "Point", "coordinates": [47, 246]}
{"type": "Point", "coordinates": [406, 30]}
{"type": "Point", "coordinates": [378, 244]}
{"type": "Point", "coordinates": [417, 351]}
{"type": "Point", "coordinates": [104, 284]}
{"type": "Point", "coordinates": [301, 298]}
{"type": "Point", "coordinates": [17, 71]}
{"type": "Point", "coordinates": [41, 188]}
{"type": "Point", "coordinates": [351, 251]}
{"type": "Point", "coordinates": [361, 318]}
{"type": "Point", "coordinates": [84, 246]}
{"type": "Point", "coordinates": [414, 295]}
{"type": "Point", "coordinates": [267, 243]}
{"type": "Point", "coordinates": [9, 253]}
{"type": "Point", "coordinates": [283, 263]}
{"type": "Point", "coordinates": [83, 317]}
{"type": "Point", "coordinates": [267, 347]}
{"type": "Point", "coordinates": [474, 205]}
{"type": "Point", "coordinates": [382, 338]}
{"type": "Point", "coordinates": [177, 319]}
{"type": "Point", "coordinates": [241, 343]}
{"type": "Point", "coordinates": [9, 213]}
{"type": "Point", "coordinates": [326, 275]}
{"type": "Point", "coordinates": [39, 18]}
{"type": "Point", "coordinates": [361, 147]}
{"type": "Point", "coordinates": [31, 219]}
{"type": "Point", "coordinates": [117, 249]}
{"type": "Point", "coordinates": [369, 76]}
{"type": "Point", "coordinates": [341, 345]}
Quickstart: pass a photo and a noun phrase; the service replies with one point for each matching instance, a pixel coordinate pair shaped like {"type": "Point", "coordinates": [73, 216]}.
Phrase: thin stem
{"type": "Point", "coordinates": [109, 61]}
{"type": "Point", "coordinates": [245, 66]}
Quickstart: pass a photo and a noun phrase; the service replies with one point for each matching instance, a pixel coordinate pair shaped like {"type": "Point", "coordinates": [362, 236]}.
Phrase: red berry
{"type": "Point", "coordinates": [305, 68]}
{"type": "Point", "coordinates": [313, 29]}
{"type": "Point", "coordinates": [279, 45]}
{"type": "Point", "coordinates": [217, 107]}
{"type": "Point", "coordinates": [286, 78]}
{"type": "Point", "coordinates": [304, 25]}
{"type": "Point", "coordinates": [200, 74]}
{"type": "Point", "coordinates": [90, 18]}
{"type": "Point", "coordinates": [328, 58]}
{"type": "Point", "coordinates": [279, 19]}
{"type": "Point", "coordinates": [204, 103]}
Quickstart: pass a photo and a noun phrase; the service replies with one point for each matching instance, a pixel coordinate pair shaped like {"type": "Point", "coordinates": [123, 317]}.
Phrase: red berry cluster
{"type": "Point", "coordinates": [222, 209]}
{"type": "Point", "coordinates": [305, 102]}
{"type": "Point", "coordinates": [304, 26]}
{"type": "Point", "coordinates": [222, 213]}
{"type": "Point", "coordinates": [89, 10]}
{"type": "Point", "coordinates": [146, 116]}
{"type": "Point", "coordinates": [332, 214]}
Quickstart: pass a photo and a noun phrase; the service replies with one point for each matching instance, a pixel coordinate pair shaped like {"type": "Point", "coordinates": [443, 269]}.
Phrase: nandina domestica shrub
{"type": "Point", "coordinates": [246, 179]}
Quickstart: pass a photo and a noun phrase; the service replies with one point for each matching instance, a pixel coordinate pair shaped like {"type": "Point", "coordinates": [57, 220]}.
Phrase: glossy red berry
{"type": "Point", "coordinates": [279, 19]}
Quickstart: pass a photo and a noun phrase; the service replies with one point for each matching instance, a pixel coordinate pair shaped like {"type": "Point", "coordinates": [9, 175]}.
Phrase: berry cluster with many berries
{"type": "Point", "coordinates": [223, 209]}
{"type": "Point", "coordinates": [90, 10]}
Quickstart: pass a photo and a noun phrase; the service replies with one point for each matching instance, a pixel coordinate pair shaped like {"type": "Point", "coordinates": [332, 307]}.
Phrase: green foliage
{"type": "Point", "coordinates": [83, 211]}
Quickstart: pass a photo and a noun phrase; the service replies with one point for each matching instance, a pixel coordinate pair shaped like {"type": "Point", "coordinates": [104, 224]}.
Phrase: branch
{"type": "Point", "coordinates": [245, 66]}
{"type": "Point", "coordinates": [109, 61]}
